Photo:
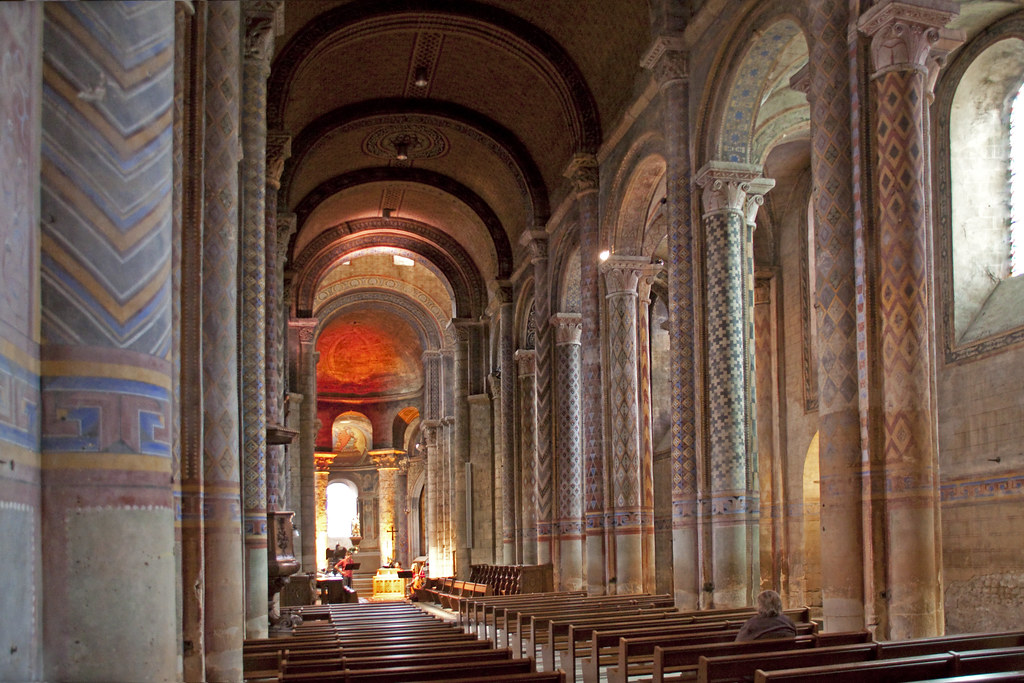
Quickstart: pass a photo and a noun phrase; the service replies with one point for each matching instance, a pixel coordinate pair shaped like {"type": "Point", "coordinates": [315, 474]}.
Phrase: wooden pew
{"type": "Point", "coordinates": [494, 612]}
{"type": "Point", "coordinates": [495, 670]}
{"type": "Point", "coordinates": [634, 655]}
{"type": "Point", "coordinates": [1000, 677]}
{"type": "Point", "coordinates": [471, 612]}
{"type": "Point", "coordinates": [532, 629]}
{"type": "Point", "coordinates": [515, 618]}
{"type": "Point", "coordinates": [728, 668]}
{"type": "Point", "coordinates": [958, 641]}
{"type": "Point", "coordinates": [560, 630]}
{"type": "Point", "coordinates": [681, 661]}
{"type": "Point", "coordinates": [390, 660]}
{"type": "Point", "coordinates": [904, 668]}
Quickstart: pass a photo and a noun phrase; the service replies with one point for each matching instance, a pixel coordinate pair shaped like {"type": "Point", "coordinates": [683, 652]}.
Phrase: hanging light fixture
{"type": "Point", "coordinates": [419, 77]}
{"type": "Point", "coordinates": [402, 150]}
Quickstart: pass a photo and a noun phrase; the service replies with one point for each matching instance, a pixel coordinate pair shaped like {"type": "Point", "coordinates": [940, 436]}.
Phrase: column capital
{"type": "Point", "coordinates": [462, 329]}
{"type": "Point", "coordinates": [583, 172]}
{"type": "Point", "coordinates": [279, 148]}
{"type": "Point", "coordinates": [568, 328]}
{"type": "Point", "coordinates": [503, 292]}
{"type": "Point", "coordinates": [286, 223]}
{"type": "Point", "coordinates": [648, 274]}
{"type": "Point", "coordinates": [388, 458]}
{"type": "Point", "coordinates": [537, 242]}
{"type": "Point", "coordinates": [668, 59]}
{"type": "Point", "coordinates": [903, 32]}
{"type": "Point", "coordinates": [323, 461]}
{"type": "Point", "coordinates": [305, 328]}
{"type": "Point", "coordinates": [263, 20]}
{"type": "Point", "coordinates": [731, 186]}
{"type": "Point", "coordinates": [526, 360]}
{"type": "Point", "coordinates": [622, 273]}
{"type": "Point", "coordinates": [801, 80]}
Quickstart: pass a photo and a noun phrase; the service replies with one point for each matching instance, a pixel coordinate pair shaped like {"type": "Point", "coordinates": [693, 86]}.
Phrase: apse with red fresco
{"type": "Point", "coordinates": [366, 354]}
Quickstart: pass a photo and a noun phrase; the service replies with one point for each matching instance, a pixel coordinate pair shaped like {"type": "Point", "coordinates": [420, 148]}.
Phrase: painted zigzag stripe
{"type": "Point", "coordinates": [107, 174]}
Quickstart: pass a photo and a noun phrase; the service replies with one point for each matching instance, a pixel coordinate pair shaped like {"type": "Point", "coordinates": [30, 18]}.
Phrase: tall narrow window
{"type": "Point", "coordinates": [1016, 236]}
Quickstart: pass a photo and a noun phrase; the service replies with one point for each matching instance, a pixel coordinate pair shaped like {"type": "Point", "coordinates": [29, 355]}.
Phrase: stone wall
{"type": "Point", "coordinates": [981, 450]}
{"type": "Point", "coordinates": [20, 628]}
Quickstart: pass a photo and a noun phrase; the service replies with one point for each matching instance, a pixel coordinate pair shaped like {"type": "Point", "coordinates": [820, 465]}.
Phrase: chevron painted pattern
{"type": "Point", "coordinates": [106, 175]}
{"type": "Point", "coordinates": [545, 421]}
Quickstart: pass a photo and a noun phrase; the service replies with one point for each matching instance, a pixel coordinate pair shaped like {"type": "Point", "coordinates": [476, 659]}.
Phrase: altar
{"type": "Point", "coordinates": [388, 585]}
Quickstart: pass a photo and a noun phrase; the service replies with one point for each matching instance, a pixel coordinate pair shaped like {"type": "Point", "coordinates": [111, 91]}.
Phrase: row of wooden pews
{"type": "Point", "coordinates": [627, 638]}
{"type": "Point", "coordinates": [383, 642]}
{"type": "Point", "coordinates": [610, 635]}
{"type": "Point", "coordinates": [447, 591]}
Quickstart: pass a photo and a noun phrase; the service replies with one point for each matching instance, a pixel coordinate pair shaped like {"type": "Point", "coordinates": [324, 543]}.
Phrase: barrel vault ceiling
{"type": "Point", "coordinates": [487, 101]}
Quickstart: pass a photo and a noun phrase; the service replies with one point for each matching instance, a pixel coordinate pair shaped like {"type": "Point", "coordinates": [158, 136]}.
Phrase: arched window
{"type": "Point", "coordinates": [979, 210]}
{"type": "Point", "coordinates": [1016, 236]}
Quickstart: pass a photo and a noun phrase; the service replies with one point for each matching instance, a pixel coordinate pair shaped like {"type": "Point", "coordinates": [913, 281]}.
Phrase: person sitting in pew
{"type": "Point", "coordinates": [769, 622]}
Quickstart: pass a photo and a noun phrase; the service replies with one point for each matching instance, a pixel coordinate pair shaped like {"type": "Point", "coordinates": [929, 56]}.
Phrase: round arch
{"type": "Point", "coordinates": [476, 204]}
{"type": "Point", "coordinates": [498, 139]}
{"type": "Point", "coordinates": [759, 108]}
{"type": "Point", "coordinates": [440, 253]}
{"type": "Point", "coordinates": [501, 27]}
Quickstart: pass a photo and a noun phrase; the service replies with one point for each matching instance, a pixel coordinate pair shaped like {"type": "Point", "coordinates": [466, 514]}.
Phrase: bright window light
{"type": "Point", "coordinates": [402, 261]}
{"type": "Point", "coordinates": [1017, 185]}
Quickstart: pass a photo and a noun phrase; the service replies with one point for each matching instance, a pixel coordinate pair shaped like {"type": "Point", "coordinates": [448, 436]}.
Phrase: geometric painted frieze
{"type": "Point", "coordinates": [19, 405]}
{"type": "Point", "coordinates": [105, 414]}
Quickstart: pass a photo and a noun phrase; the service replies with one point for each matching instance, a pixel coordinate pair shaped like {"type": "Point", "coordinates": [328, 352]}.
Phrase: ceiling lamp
{"type": "Point", "coordinates": [419, 77]}
{"type": "Point", "coordinates": [402, 150]}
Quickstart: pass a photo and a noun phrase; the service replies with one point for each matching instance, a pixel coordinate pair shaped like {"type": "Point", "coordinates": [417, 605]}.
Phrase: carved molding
{"type": "Point", "coordinates": [279, 148]}
{"type": "Point", "coordinates": [568, 328]}
{"type": "Point", "coordinates": [583, 172]}
{"type": "Point", "coordinates": [622, 273]}
{"type": "Point", "coordinates": [526, 362]}
{"type": "Point", "coordinates": [730, 186]}
{"type": "Point", "coordinates": [903, 33]}
{"type": "Point", "coordinates": [667, 59]}
{"type": "Point", "coordinates": [389, 458]}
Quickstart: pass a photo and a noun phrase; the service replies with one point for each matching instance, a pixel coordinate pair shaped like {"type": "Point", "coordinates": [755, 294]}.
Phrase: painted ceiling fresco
{"type": "Point", "coordinates": [368, 354]}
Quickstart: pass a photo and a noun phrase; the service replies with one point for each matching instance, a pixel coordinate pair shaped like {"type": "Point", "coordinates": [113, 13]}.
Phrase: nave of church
{"type": "Point", "coordinates": [688, 297]}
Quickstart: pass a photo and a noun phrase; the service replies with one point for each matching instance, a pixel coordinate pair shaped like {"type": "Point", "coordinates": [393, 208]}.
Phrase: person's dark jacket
{"type": "Point", "coordinates": [762, 628]}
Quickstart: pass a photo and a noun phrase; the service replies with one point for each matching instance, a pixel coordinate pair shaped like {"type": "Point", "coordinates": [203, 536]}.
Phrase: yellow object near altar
{"type": "Point", "coordinates": [387, 585]}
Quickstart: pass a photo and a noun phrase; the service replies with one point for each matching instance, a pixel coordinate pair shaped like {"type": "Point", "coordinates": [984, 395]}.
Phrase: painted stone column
{"type": "Point", "coordinates": [728, 188]}
{"type": "Point", "coordinates": [387, 462]}
{"type": "Point", "coordinates": [190, 53]}
{"type": "Point", "coordinates": [224, 602]}
{"type": "Point", "coordinates": [506, 360]}
{"type": "Point", "coordinates": [302, 339]}
{"type": "Point", "coordinates": [621, 275]}
{"type": "Point", "coordinates": [902, 35]}
{"type": "Point", "coordinates": [322, 462]}
{"type": "Point", "coordinates": [258, 18]}
{"type": "Point", "coordinates": [668, 60]}
{"type": "Point", "coordinates": [433, 407]}
{"type": "Point", "coordinates": [537, 243]}
{"type": "Point", "coordinates": [461, 533]}
{"type": "Point", "coordinates": [527, 369]}
{"type": "Point", "coordinates": [278, 149]}
{"type": "Point", "coordinates": [569, 450]}
{"type": "Point", "coordinates": [105, 378]}
{"type": "Point", "coordinates": [838, 416]}
{"type": "Point", "coordinates": [402, 512]}
{"type": "Point", "coordinates": [646, 412]}
{"type": "Point", "coordinates": [433, 480]}
{"type": "Point", "coordinates": [583, 172]}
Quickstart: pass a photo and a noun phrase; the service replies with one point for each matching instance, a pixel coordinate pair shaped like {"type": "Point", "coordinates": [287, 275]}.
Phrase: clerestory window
{"type": "Point", "coordinates": [979, 212]}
